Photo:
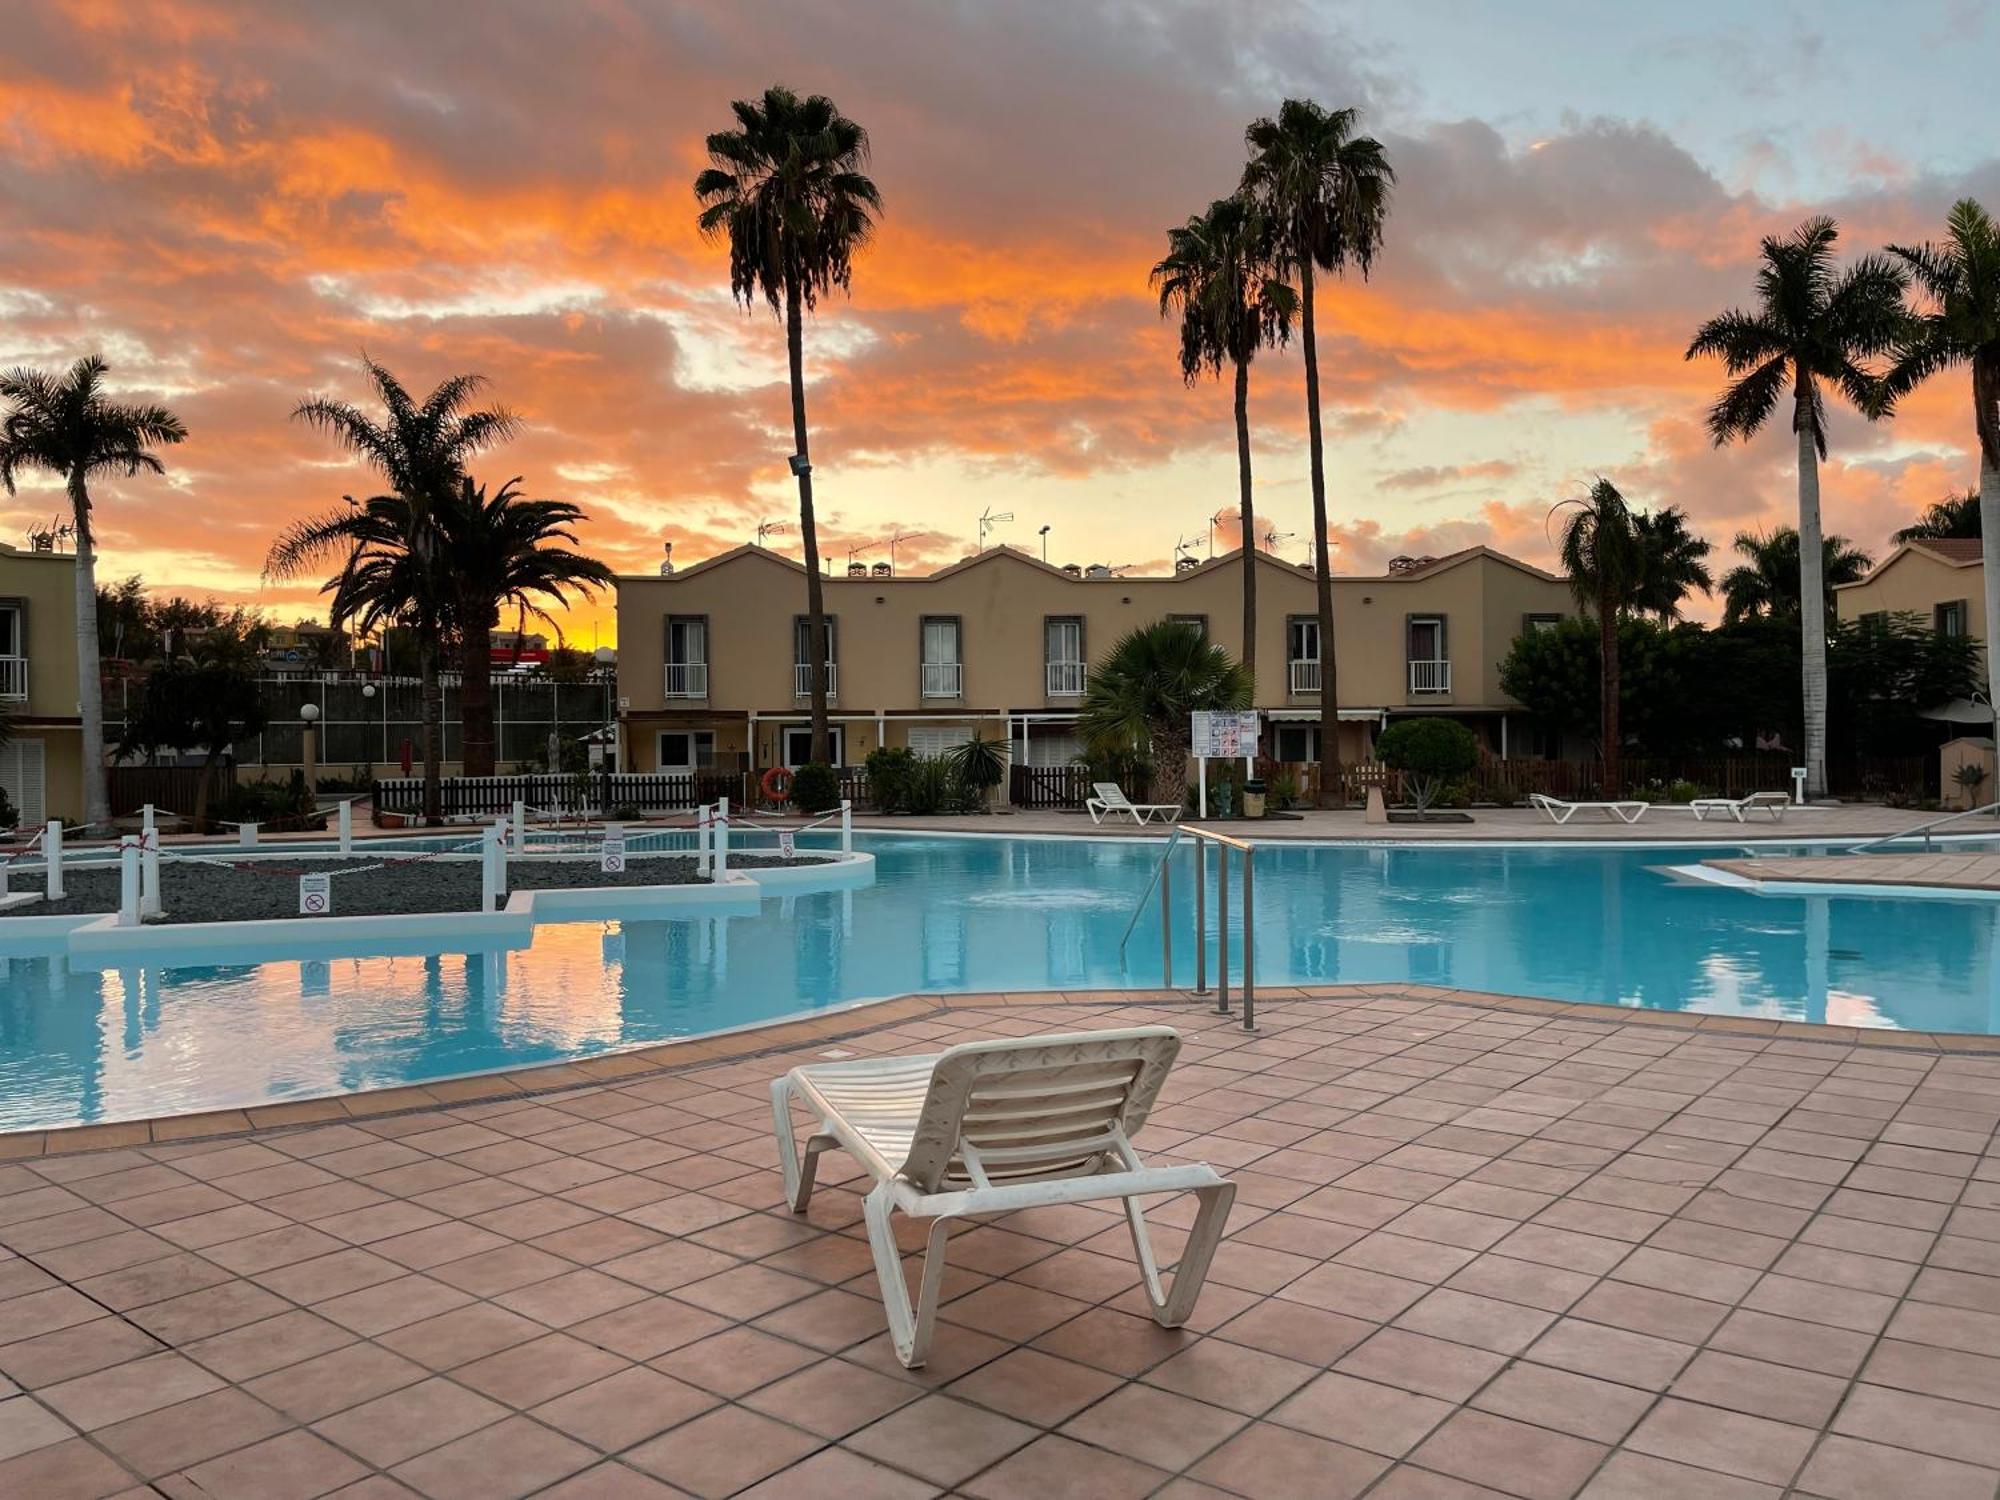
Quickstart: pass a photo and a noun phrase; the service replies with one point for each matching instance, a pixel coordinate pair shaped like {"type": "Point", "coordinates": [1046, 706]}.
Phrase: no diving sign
{"type": "Point", "coordinates": [611, 859]}
{"type": "Point", "coordinates": [315, 895]}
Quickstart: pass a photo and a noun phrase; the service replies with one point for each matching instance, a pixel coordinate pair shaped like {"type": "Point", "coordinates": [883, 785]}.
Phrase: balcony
{"type": "Point", "coordinates": [1305, 677]}
{"type": "Point", "coordinates": [1066, 679]}
{"type": "Point", "coordinates": [13, 676]}
{"type": "Point", "coordinates": [1429, 678]}
{"type": "Point", "coordinates": [944, 679]}
{"type": "Point", "coordinates": [802, 686]}
{"type": "Point", "coordinates": [687, 679]}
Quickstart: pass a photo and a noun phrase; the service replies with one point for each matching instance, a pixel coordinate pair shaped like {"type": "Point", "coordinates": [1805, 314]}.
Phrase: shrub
{"type": "Point", "coordinates": [889, 770]}
{"type": "Point", "coordinates": [932, 787]}
{"type": "Point", "coordinates": [1282, 788]}
{"type": "Point", "coordinates": [815, 788]}
{"type": "Point", "coordinates": [10, 815]}
{"type": "Point", "coordinates": [627, 813]}
{"type": "Point", "coordinates": [1430, 753]}
{"type": "Point", "coordinates": [980, 765]}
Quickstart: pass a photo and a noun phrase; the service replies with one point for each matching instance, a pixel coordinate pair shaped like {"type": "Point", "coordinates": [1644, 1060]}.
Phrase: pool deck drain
{"type": "Point", "coordinates": [1480, 1248]}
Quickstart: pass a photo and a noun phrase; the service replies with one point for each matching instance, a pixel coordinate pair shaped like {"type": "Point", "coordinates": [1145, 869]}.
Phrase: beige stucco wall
{"type": "Point", "coordinates": [1915, 580]}
{"type": "Point", "coordinates": [43, 585]}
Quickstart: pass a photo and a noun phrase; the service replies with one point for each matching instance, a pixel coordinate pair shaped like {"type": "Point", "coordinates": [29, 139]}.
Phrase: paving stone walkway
{"type": "Point", "coordinates": [1477, 1251]}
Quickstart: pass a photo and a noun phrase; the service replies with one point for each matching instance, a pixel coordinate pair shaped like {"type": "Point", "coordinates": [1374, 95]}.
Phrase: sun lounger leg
{"type": "Point", "coordinates": [1171, 1307]}
{"type": "Point", "coordinates": [909, 1329]}
{"type": "Point", "coordinates": [798, 1175]}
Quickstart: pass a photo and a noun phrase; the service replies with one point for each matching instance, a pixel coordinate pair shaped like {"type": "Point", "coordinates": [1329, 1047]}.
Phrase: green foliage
{"type": "Point", "coordinates": [1767, 584]}
{"type": "Point", "coordinates": [889, 769]}
{"type": "Point", "coordinates": [816, 788]}
{"type": "Point", "coordinates": [1430, 752]}
{"type": "Point", "coordinates": [1143, 695]}
{"type": "Point", "coordinates": [932, 787]}
{"type": "Point", "coordinates": [10, 815]}
{"type": "Point", "coordinates": [1880, 674]}
{"type": "Point", "coordinates": [1281, 789]}
{"type": "Point", "coordinates": [980, 765]}
{"type": "Point", "coordinates": [1953, 516]}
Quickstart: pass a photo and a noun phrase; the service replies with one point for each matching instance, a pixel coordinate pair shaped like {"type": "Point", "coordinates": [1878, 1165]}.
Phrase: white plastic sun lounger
{"type": "Point", "coordinates": [992, 1127]}
{"type": "Point", "coordinates": [1111, 799]}
{"type": "Point", "coordinates": [1561, 811]}
{"type": "Point", "coordinates": [1738, 808]}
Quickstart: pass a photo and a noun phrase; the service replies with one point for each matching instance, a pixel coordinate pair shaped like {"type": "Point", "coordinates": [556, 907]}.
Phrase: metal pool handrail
{"type": "Point", "coordinates": [1159, 875]}
{"type": "Point", "coordinates": [1924, 828]}
{"type": "Point", "coordinates": [1202, 838]}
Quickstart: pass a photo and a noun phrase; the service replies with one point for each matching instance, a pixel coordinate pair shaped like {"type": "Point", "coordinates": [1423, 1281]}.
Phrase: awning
{"type": "Point", "coordinates": [1311, 715]}
{"type": "Point", "coordinates": [1960, 711]}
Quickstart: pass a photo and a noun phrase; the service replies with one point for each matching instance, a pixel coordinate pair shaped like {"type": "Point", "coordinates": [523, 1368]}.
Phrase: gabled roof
{"type": "Point", "coordinates": [1952, 551]}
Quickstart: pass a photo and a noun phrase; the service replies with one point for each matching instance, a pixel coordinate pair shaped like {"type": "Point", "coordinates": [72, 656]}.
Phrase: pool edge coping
{"type": "Point", "coordinates": [863, 1017]}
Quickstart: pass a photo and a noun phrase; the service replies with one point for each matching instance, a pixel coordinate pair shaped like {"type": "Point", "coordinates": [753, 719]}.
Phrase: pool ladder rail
{"type": "Point", "coordinates": [1925, 829]}
{"type": "Point", "coordinates": [1162, 880]}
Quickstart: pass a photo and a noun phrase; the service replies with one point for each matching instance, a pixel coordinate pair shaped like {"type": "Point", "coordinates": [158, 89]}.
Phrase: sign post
{"type": "Point", "coordinates": [315, 895]}
{"type": "Point", "coordinates": [1223, 735]}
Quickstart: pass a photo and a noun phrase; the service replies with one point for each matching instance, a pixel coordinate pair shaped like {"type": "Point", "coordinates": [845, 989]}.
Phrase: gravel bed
{"type": "Point", "coordinates": [269, 888]}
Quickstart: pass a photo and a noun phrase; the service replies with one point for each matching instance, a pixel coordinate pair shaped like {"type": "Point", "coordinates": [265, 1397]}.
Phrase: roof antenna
{"type": "Point", "coordinates": [987, 521]}
{"type": "Point", "coordinates": [768, 528]}
{"type": "Point", "coordinates": [901, 536]}
{"type": "Point", "coordinates": [1274, 536]}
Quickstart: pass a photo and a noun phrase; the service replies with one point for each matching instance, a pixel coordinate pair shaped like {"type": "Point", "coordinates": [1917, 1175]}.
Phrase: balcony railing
{"type": "Point", "coordinates": [944, 679]}
{"type": "Point", "coordinates": [802, 683]}
{"type": "Point", "coordinates": [1066, 679]}
{"type": "Point", "coordinates": [13, 676]}
{"type": "Point", "coordinates": [687, 679]}
{"type": "Point", "coordinates": [1305, 676]}
{"type": "Point", "coordinates": [1430, 677]}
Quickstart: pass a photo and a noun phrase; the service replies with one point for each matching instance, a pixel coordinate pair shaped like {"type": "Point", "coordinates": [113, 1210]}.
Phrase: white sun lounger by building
{"type": "Point", "coordinates": [1738, 808]}
{"type": "Point", "coordinates": [1110, 798]}
{"type": "Point", "coordinates": [1561, 812]}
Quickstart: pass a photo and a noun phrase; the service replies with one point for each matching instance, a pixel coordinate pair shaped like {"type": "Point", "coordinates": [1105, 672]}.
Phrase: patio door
{"type": "Point", "coordinates": [795, 745]}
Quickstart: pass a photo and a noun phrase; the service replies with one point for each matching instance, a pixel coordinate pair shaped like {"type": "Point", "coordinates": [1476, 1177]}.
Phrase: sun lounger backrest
{"type": "Point", "coordinates": [1040, 1107]}
{"type": "Point", "coordinates": [1111, 794]}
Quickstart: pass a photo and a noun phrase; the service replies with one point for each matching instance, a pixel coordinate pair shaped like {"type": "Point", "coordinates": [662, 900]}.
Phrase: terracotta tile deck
{"type": "Point", "coordinates": [1478, 1250]}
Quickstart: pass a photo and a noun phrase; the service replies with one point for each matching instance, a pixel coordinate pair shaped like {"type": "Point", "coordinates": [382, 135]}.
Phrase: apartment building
{"type": "Point", "coordinates": [41, 764]}
{"type": "Point", "coordinates": [1936, 578]}
{"type": "Point", "coordinates": [713, 659]}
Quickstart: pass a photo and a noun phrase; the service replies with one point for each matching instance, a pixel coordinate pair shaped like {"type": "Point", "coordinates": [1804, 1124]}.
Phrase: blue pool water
{"type": "Point", "coordinates": [953, 914]}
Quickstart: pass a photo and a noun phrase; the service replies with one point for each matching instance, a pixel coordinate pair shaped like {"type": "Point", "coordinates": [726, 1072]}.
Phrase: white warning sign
{"type": "Point", "coordinates": [611, 857]}
{"type": "Point", "coordinates": [315, 895]}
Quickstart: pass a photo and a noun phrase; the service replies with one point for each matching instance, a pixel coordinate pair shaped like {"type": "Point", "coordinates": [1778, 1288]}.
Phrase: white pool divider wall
{"type": "Point", "coordinates": [52, 859]}
{"type": "Point", "coordinates": [149, 865]}
{"type": "Point", "coordinates": [128, 881]}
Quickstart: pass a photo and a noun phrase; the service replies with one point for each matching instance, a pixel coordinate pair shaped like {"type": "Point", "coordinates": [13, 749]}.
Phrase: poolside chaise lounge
{"type": "Point", "coordinates": [991, 1128]}
{"type": "Point", "coordinates": [1110, 798]}
{"type": "Point", "coordinates": [1773, 803]}
{"type": "Point", "coordinates": [1561, 811]}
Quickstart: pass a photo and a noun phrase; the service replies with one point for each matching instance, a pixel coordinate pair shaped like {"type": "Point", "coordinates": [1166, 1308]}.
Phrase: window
{"type": "Point", "coordinates": [687, 750]}
{"type": "Point", "coordinates": [1875, 619]}
{"type": "Point", "coordinates": [1949, 617]}
{"type": "Point", "coordinates": [802, 659]}
{"type": "Point", "coordinates": [1062, 645]}
{"type": "Point", "coordinates": [1200, 623]}
{"type": "Point", "coordinates": [1298, 743]}
{"type": "Point", "coordinates": [13, 654]}
{"type": "Point", "coordinates": [1430, 671]}
{"type": "Point", "coordinates": [943, 666]}
{"type": "Point", "coordinates": [1302, 653]}
{"type": "Point", "coordinates": [687, 656]}
{"type": "Point", "coordinates": [1535, 624]}
{"type": "Point", "coordinates": [931, 743]}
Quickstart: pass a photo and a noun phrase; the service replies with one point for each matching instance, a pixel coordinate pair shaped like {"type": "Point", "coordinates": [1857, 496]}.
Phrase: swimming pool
{"type": "Point", "coordinates": [1597, 923]}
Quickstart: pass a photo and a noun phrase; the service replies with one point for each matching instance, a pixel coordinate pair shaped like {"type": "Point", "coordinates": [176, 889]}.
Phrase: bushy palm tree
{"type": "Point", "coordinates": [1220, 277]}
{"type": "Point", "coordinates": [505, 552]}
{"type": "Point", "coordinates": [1953, 516]}
{"type": "Point", "coordinates": [1813, 326]}
{"type": "Point", "coordinates": [1960, 325]}
{"type": "Point", "coordinates": [1604, 553]}
{"type": "Point", "coordinates": [786, 190]}
{"type": "Point", "coordinates": [1143, 693]}
{"type": "Point", "coordinates": [395, 571]}
{"type": "Point", "coordinates": [1766, 584]}
{"type": "Point", "coordinates": [1326, 191]}
{"type": "Point", "coordinates": [1674, 563]}
{"type": "Point", "coordinates": [65, 425]}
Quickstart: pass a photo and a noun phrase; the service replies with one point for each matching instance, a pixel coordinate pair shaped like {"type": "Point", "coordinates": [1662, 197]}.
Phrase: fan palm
{"type": "Point", "coordinates": [1604, 552]}
{"type": "Point", "coordinates": [421, 449]}
{"type": "Point", "coordinates": [1813, 326]}
{"type": "Point", "coordinates": [1326, 192]}
{"type": "Point", "coordinates": [787, 191]}
{"type": "Point", "coordinates": [1142, 695]}
{"type": "Point", "coordinates": [1674, 563]}
{"type": "Point", "coordinates": [1961, 326]}
{"type": "Point", "coordinates": [505, 552]}
{"type": "Point", "coordinates": [65, 425]}
{"type": "Point", "coordinates": [1766, 584]}
{"type": "Point", "coordinates": [1953, 516]}
{"type": "Point", "coordinates": [1218, 275]}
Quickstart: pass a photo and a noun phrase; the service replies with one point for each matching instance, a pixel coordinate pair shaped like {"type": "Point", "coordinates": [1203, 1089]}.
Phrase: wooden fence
{"type": "Point", "coordinates": [169, 788]}
{"type": "Point", "coordinates": [1047, 788]}
{"type": "Point", "coordinates": [599, 792]}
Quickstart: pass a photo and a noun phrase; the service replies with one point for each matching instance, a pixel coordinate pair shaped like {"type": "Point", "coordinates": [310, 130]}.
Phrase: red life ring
{"type": "Point", "coordinates": [777, 784]}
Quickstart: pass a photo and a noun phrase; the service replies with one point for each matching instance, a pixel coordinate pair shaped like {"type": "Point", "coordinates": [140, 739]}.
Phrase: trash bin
{"type": "Point", "coordinates": [1253, 799]}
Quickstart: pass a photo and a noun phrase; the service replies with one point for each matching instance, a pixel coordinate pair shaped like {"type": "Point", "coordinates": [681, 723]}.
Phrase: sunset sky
{"type": "Point", "coordinates": [231, 201]}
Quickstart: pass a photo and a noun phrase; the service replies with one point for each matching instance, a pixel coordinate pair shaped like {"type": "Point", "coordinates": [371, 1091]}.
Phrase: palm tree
{"type": "Point", "coordinates": [1219, 276]}
{"type": "Point", "coordinates": [505, 552]}
{"type": "Point", "coordinates": [1812, 327]}
{"type": "Point", "coordinates": [1953, 516]}
{"type": "Point", "coordinates": [1674, 563]}
{"type": "Point", "coordinates": [1767, 584]}
{"type": "Point", "coordinates": [1961, 325]}
{"type": "Point", "coordinates": [65, 425]}
{"type": "Point", "coordinates": [786, 190]}
{"type": "Point", "coordinates": [1142, 695]}
{"type": "Point", "coordinates": [1326, 191]}
{"type": "Point", "coordinates": [421, 450]}
{"type": "Point", "coordinates": [1604, 553]}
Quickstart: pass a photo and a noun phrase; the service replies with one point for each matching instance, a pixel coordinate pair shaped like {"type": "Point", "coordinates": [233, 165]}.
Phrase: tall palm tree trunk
{"type": "Point", "coordinates": [433, 736]}
{"type": "Point", "coordinates": [1329, 674]}
{"type": "Point", "coordinates": [475, 692]}
{"type": "Point", "coordinates": [808, 530]}
{"type": "Point", "coordinates": [89, 676]}
{"type": "Point", "coordinates": [1610, 737]}
{"type": "Point", "coordinates": [1812, 597]}
{"type": "Point", "coordinates": [1247, 513]}
{"type": "Point", "coordinates": [1986, 425]}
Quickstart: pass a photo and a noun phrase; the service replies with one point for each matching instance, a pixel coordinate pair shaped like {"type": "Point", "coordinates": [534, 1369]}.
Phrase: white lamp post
{"type": "Point", "coordinates": [308, 714]}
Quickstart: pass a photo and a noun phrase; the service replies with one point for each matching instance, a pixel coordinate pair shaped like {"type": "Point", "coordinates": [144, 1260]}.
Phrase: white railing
{"type": "Point", "coordinates": [13, 676]}
{"type": "Point", "coordinates": [1305, 676]}
{"type": "Point", "coordinates": [802, 683]}
{"type": "Point", "coordinates": [1430, 677]}
{"type": "Point", "coordinates": [687, 679]}
{"type": "Point", "coordinates": [1066, 679]}
{"type": "Point", "coordinates": [943, 679]}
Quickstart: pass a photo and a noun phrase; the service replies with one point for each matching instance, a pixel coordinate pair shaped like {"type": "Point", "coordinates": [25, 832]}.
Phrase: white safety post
{"type": "Point", "coordinates": [520, 824]}
{"type": "Point", "coordinates": [149, 866]}
{"type": "Point", "coordinates": [128, 881]}
{"type": "Point", "coordinates": [489, 868]}
{"type": "Point", "coordinates": [346, 825]}
{"type": "Point", "coordinates": [720, 835]}
{"type": "Point", "coordinates": [500, 858]}
{"type": "Point", "coordinates": [246, 835]}
{"type": "Point", "coordinates": [846, 825]}
{"type": "Point", "coordinates": [702, 861]}
{"type": "Point", "coordinates": [53, 859]}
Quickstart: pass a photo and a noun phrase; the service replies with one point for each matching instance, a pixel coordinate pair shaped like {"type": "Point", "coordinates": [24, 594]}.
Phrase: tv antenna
{"type": "Point", "coordinates": [987, 521]}
{"type": "Point", "coordinates": [1274, 536]}
{"type": "Point", "coordinates": [768, 528]}
{"type": "Point", "coordinates": [857, 549]}
{"type": "Point", "coordinates": [1185, 546]}
{"type": "Point", "coordinates": [901, 536]}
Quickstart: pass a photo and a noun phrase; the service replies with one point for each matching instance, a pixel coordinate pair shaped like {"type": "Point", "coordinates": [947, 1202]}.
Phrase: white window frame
{"type": "Point", "coordinates": [942, 676]}
{"type": "Point", "coordinates": [1068, 674]}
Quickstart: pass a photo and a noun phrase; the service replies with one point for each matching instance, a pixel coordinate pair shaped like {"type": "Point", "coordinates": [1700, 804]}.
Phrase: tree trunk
{"type": "Point", "coordinates": [808, 530]}
{"type": "Point", "coordinates": [89, 675]}
{"type": "Point", "coordinates": [1610, 737]}
{"type": "Point", "coordinates": [1168, 745]}
{"type": "Point", "coordinates": [1812, 597]}
{"type": "Point", "coordinates": [1329, 677]}
{"type": "Point", "coordinates": [201, 792]}
{"type": "Point", "coordinates": [433, 694]}
{"type": "Point", "coordinates": [1247, 513]}
{"type": "Point", "coordinates": [475, 691]}
{"type": "Point", "coordinates": [1986, 424]}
